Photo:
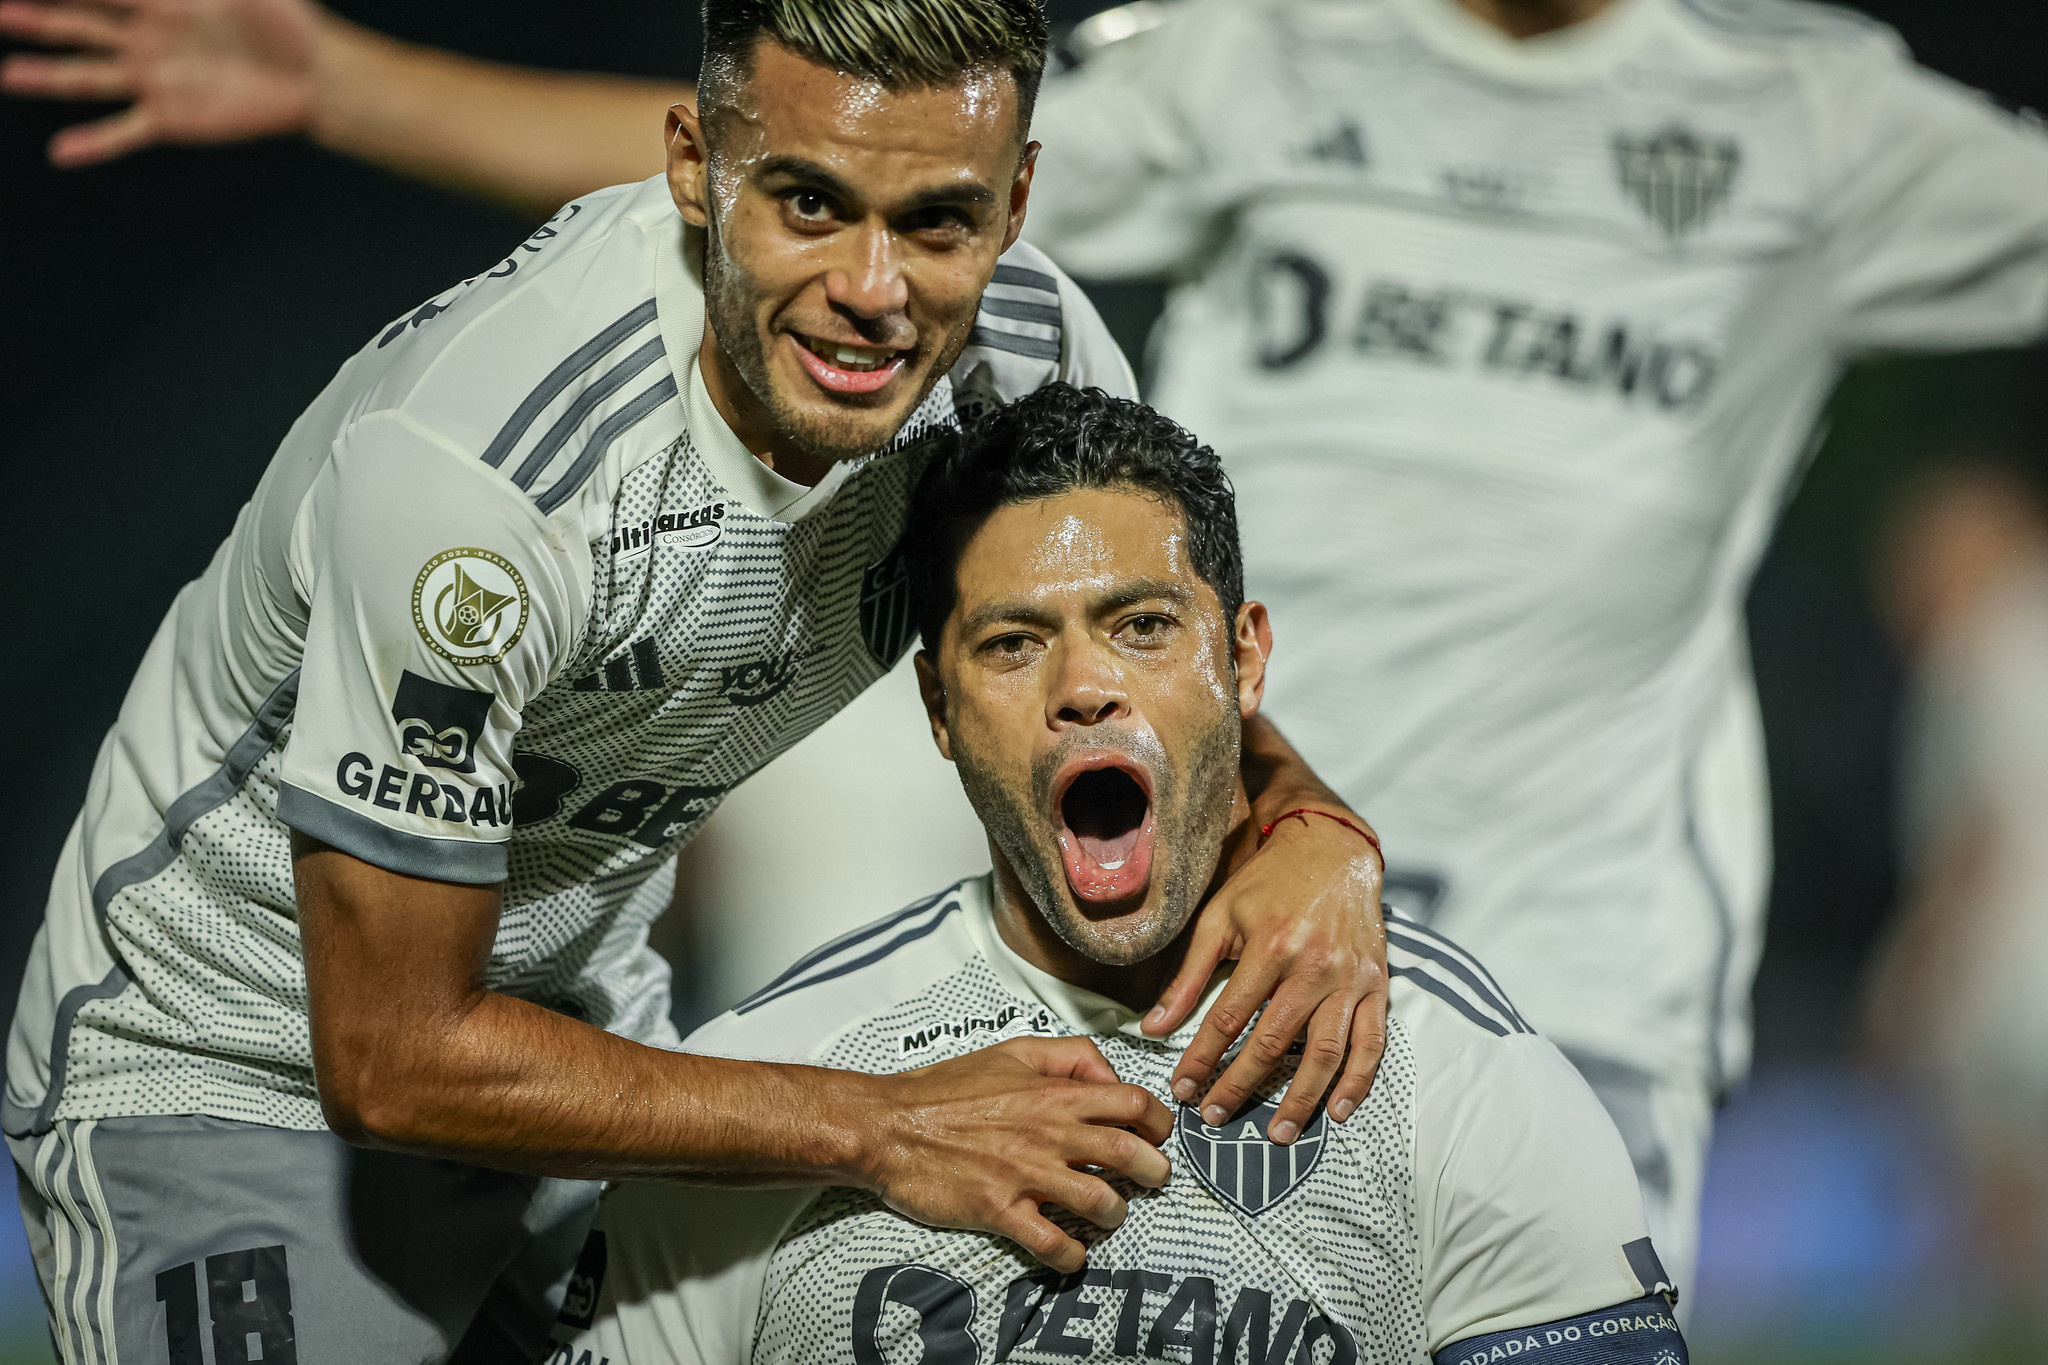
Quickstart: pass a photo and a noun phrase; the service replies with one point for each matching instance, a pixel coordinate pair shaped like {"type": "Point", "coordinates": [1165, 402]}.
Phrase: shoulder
{"type": "Point", "coordinates": [1035, 326]}
{"type": "Point", "coordinates": [1775, 24]}
{"type": "Point", "coordinates": [1443, 992]}
{"type": "Point", "coordinates": [847, 982]}
{"type": "Point", "coordinates": [535, 366]}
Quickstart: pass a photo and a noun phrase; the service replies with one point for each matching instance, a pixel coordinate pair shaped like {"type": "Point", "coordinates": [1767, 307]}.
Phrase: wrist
{"type": "Point", "coordinates": [348, 72]}
{"type": "Point", "coordinates": [850, 1147]}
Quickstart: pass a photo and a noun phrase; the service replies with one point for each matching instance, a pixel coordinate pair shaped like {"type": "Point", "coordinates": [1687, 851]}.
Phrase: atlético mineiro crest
{"type": "Point", "coordinates": [1676, 177]}
{"type": "Point", "coordinates": [1241, 1164]}
{"type": "Point", "coordinates": [885, 623]}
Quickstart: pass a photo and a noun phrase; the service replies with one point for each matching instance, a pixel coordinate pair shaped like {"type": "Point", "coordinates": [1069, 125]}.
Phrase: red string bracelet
{"type": "Point", "coordinates": [1302, 813]}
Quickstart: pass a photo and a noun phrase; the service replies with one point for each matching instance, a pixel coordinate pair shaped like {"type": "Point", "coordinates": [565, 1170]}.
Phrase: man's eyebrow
{"type": "Point", "coordinates": [1124, 595]}
{"type": "Point", "coordinates": [1146, 590]}
{"type": "Point", "coordinates": [808, 172]}
{"type": "Point", "coordinates": [804, 171]}
{"type": "Point", "coordinates": [1007, 613]}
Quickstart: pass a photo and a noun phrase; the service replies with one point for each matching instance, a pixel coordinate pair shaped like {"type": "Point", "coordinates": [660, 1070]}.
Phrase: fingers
{"type": "Point", "coordinates": [1227, 1018]}
{"type": "Point", "coordinates": [1113, 1149]}
{"type": "Point", "coordinates": [1074, 1059]}
{"type": "Point", "coordinates": [1322, 1054]}
{"type": "Point", "coordinates": [1286, 1016]}
{"type": "Point", "coordinates": [61, 25]}
{"type": "Point", "coordinates": [1207, 948]}
{"type": "Point", "coordinates": [1029, 1228]}
{"type": "Point", "coordinates": [1368, 1042]}
{"type": "Point", "coordinates": [65, 78]}
{"type": "Point", "coordinates": [86, 144]}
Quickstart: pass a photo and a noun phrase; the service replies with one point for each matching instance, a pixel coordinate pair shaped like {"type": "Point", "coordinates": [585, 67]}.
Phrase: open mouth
{"type": "Point", "coordinates": [844, 367]}
{"type": "Point", "coordinates": [1105, 829]}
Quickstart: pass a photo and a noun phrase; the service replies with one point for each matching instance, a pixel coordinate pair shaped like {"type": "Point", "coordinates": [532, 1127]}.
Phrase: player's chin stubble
{"type": "Point", "coordinates": [732, 304]}
{"type": "Point", "coordinates": [1190, 819]}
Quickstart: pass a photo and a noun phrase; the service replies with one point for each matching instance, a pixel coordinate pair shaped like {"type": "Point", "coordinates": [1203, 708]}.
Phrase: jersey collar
{"type": "Point", "coordinates": [1565, 57]}
{"type": "Point", "coordinates": [1081, 1010]}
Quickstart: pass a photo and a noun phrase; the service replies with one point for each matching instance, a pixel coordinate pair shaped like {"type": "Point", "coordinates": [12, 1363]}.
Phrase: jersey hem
{"type": "Point", "coordinates": [411, 855]}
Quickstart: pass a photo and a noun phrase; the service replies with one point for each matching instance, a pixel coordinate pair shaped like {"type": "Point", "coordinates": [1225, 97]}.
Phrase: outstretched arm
{"type": "Point", "coordinates": [1302, 918]}
{"type": "Point", "coordinates": [412, 1052]}
{"type": "Point", "coordinates": [209, 71]}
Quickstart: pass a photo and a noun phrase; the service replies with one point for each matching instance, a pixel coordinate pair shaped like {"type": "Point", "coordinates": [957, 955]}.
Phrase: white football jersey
{"type": "Point", "coordinates": [1513, 350]}
{"type": "Point", "coordinates": [1480, 1190]}
{"type": "Point", "coordinates": [512, 604]}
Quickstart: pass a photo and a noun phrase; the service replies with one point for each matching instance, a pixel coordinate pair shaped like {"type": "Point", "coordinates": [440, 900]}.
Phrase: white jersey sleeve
{"type": "Point", "coordinates": [1118, 188]}
{"type": "Point", "coordinates": [1529, 1209]}
{"type": "Point", "coordinates": [1936, 230]}
{"type": "Point", "coordinates": [440, 602]}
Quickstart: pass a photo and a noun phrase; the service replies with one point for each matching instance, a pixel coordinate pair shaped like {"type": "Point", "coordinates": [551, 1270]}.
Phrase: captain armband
{"type": "Point", "coordinates": [1641, 1332]}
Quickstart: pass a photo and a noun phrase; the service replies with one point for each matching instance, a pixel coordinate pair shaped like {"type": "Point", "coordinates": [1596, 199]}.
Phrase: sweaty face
{"type": "Point", "coordinates": [1093, 710]}
{"type": "Point", "coordinates": [851, 231]}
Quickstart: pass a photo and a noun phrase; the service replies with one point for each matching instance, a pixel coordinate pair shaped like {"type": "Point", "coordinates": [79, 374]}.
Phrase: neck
{"type": "Point", "coordinates": [749, 417]}
{"type": "Point", "coordinates": [1135, 985]}
{"type": "Point", "coordinates": [1533, 18]}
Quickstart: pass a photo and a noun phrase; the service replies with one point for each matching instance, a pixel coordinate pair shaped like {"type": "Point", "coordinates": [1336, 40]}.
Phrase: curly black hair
{"type": "Point", "coordinates": [1055, 441]}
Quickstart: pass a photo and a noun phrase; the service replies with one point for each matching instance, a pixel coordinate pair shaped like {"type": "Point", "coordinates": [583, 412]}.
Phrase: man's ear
{"type": "Point", "coordinates": [689, 162]}
{"type": "Point", "coordinates": [934, 693]}
{"type": "Point", "coordinates": [1020, 192]}
{"type": "Point", "coordinates": [1252, 647]}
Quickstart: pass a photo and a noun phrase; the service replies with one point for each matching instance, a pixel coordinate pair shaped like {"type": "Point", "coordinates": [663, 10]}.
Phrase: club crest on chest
{"type": "Point", "coordinates": [1240, 1163]}
{"type": "Point", "coordinates": [886, 626]}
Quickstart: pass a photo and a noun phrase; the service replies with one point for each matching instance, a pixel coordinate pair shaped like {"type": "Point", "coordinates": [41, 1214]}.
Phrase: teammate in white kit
{"type": "Point", "coordinates": [1088, 659]}
{"type": "Point", "coordinates": [1512, 349]}
{"type": "Point", "coordinates": [1512, 319]}
{"type": "Point", "coordinates": [557, 559]}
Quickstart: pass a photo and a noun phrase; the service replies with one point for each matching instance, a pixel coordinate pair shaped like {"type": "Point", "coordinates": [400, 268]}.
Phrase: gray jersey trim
{"type": "Point", "coordinates": [615, 425]}
{"type": "Point", "coordinates": [1038, 348]}
{"type": "Point", "coordinates": [1048, 314]}
{"type": "Point", "coordinates": [559, 378]}
{"type": "Point", "coordinates": [413, 855]}
{"type": "Point", "coordinates": [1450, 997]}
{"type": "Point", "coordinates": [235, 767]}
{"type": "Point", "coordinates": [616, 378]}
{"type": "Point", "coordinates": [1028, 279]}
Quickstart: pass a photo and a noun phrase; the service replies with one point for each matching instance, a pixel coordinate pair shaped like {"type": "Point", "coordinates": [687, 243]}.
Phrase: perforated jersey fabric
{"type": "Point", "coordinates": [511, 605]}
{"type": "Point", "coordinates": [1480, 1188]}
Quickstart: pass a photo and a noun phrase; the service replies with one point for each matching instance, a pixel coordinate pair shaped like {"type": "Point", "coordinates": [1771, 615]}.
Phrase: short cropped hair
{"type": "Point", "coordinates": [903, 44]}
{"type": "Point", "coordinates": [1054, 441]}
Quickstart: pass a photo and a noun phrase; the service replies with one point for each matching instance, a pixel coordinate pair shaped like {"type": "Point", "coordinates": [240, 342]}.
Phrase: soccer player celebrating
{"type": "Point", "coordinates": [1088, 663]}
{"type": "Point", "coordinates": [343, 999]}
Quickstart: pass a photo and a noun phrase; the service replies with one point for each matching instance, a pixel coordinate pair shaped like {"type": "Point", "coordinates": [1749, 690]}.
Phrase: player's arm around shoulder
{"type": "Point", "coordinates": [1533, 1235]}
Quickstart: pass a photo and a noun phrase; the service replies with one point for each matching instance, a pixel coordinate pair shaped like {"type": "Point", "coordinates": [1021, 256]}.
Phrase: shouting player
{"type": "Point", "coordinates": [343, 1001]}
{"type": "Point", "coordinates": [1089, 660]}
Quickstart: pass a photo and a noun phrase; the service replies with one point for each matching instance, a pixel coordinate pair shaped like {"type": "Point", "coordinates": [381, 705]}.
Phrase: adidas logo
{"type": "Point", "coordinates": [1343, 145]}
{"type": "Point", "coordinates": [637, 671]}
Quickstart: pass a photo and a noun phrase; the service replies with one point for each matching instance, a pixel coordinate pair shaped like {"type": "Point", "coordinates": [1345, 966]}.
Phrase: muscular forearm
{"type": "Point", "coordinates": [1277, 779]}
{"type": "Point", "coordinates": [531, 139]}
{"type": "Point", "coordinates": [507, 1084]}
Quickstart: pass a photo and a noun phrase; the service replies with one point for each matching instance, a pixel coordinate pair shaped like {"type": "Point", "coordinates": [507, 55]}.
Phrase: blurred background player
{"type": "Point", "coordinates": [1563, 284]}
{"type": "Point", "coordinates": [1967, 583]}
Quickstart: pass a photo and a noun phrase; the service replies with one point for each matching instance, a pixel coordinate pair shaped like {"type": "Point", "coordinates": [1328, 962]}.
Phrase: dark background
{"type": "Point", "coordinates": [166, 318]}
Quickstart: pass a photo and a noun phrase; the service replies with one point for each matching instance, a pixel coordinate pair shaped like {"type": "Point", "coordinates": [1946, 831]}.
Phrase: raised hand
{"type": "Point", "coordinates": [194, 71]}
{"type": "Point", "coordinates": [983, 1140]}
